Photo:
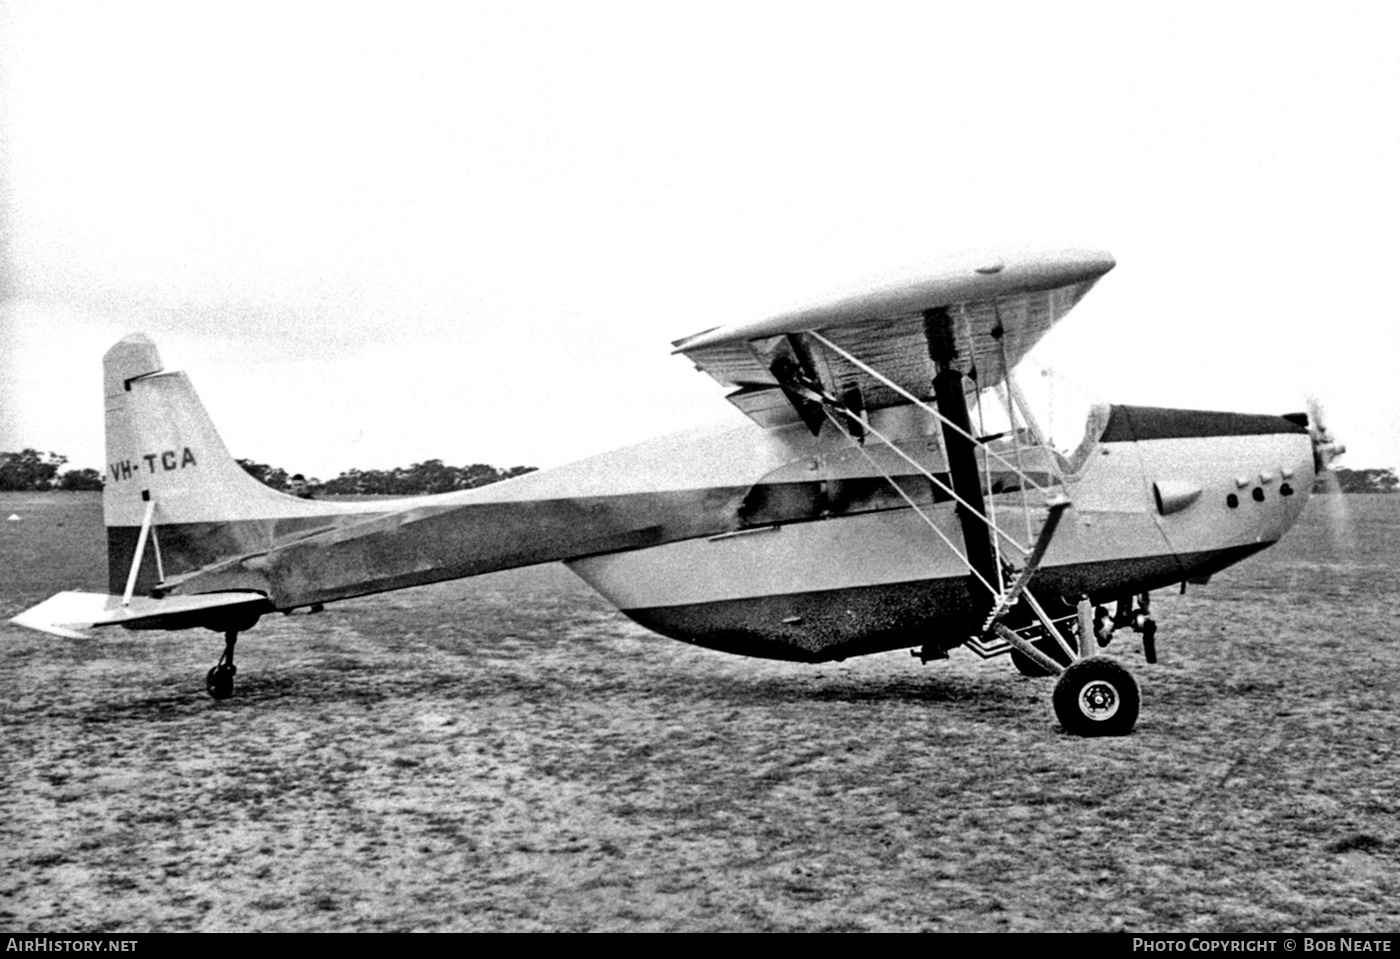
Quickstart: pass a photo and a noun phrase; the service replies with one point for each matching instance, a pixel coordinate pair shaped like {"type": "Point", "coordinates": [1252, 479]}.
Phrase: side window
{"type": "Point", "coordinates": [770, 503]}
{"type": "Point", "coordinates": [867, 494]}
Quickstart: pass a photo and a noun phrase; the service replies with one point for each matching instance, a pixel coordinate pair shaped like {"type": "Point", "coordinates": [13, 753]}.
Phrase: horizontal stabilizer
{"type": "Point", "coordinates": [67, 614]}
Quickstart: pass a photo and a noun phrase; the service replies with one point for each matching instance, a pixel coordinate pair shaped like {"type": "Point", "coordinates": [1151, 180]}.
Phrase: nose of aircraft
{"type": "Point", "coordinates": [1298, 474]}
{"type": "Point", "coordinates": [1224, 485]}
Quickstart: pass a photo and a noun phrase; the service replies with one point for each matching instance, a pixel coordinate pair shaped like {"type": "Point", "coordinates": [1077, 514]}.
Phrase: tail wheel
{"type": "Point", "coordinates": [219, 682]}
{"type": "Point", "coordinates": [1097, 697]}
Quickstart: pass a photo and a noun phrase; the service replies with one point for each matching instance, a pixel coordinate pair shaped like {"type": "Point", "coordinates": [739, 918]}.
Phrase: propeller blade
{"type": "Point", "coordinates": [1326, 451]}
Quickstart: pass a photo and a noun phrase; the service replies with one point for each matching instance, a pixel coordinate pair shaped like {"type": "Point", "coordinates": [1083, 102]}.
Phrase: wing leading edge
{"type": "Point", "coordinates": [998, 308]}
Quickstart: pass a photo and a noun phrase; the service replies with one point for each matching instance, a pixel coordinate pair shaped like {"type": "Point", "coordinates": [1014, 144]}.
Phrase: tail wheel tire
{"type": "Point", "coordinates": [219, 682]}
{"type": "Point", "coordinates": [1097, 697]}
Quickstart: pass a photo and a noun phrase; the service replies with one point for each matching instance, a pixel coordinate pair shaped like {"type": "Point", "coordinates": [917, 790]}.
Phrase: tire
{"type": "Point", "coordinates": [219, 682]}
{"type": "Point", "coordinates": [1097, 697]}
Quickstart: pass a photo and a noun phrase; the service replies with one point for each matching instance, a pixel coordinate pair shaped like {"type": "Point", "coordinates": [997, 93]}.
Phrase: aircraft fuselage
{"type": "Point", "coordinates": [773, 542]}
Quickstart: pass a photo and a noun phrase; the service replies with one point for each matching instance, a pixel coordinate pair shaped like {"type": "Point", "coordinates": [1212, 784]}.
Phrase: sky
{"type": "Point", "coordinates": [375, 234]}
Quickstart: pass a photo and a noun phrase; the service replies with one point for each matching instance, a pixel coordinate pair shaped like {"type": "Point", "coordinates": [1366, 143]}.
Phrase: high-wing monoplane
{"type": "Point", "coordinates": [862, 508]}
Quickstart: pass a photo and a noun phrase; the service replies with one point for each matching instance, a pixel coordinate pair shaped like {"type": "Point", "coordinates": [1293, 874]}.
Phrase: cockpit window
{"type": "Point", "coordinates": [1094, 426]}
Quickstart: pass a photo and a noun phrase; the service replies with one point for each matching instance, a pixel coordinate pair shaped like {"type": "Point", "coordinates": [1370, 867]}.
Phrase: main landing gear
{"type": "Point", "coordinates": [219, 682]}
{"type": "Point", "coordinates": [1094, 695]}
{"type": "Point", "coordinates": [1139, 620]}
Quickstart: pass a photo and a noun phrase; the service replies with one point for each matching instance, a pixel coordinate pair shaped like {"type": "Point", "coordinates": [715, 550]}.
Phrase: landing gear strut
{"type": "Point", "coordinates": [219, 682]}
{"type": "Point", "coordinates": [1139, 620]}
{"type": "Point", "coordinates": [1028, 667]}
{"type": "Point", "coordinates": [1094, 695]}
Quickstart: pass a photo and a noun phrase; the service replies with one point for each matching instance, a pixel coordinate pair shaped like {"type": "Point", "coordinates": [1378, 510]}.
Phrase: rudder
{"type": "Point", "coordinates": [163, 449]}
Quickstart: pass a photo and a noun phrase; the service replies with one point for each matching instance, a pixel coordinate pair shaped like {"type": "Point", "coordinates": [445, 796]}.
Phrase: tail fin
{"type": "Point", "coordinates": [175, 503]}
{"type": "Point", "coordinates": [165, 457]}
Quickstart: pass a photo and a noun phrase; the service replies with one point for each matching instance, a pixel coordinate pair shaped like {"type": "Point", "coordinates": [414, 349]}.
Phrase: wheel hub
{"type": "Point", "coordinates": [1098, 700]}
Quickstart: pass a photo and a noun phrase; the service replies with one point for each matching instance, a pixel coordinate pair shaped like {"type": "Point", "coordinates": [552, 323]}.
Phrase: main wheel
{"type": "Point", "coordinates": [219, 682]}
{"type": "Point", "coordinates": [1097, 697]}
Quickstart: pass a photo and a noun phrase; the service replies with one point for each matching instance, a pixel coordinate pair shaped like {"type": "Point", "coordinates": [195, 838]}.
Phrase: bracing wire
{"type": "Point", "coordinates": [962, 557]}
{"type": "Point", "coordinates": [1025, 477]}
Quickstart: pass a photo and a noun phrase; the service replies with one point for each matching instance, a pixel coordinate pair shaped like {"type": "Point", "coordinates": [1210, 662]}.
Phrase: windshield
{"type": "Point", "coordinates": [1068, 418]}
{"type": "Point", "coordinates": [1094, 425]}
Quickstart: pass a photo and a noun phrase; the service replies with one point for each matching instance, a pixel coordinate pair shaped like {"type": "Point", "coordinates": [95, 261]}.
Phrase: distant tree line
{"type": "Point", "coordinates": [1363, 481]}
{"type": "Point", "coordinates": [430, 476]}
{"type": "Point", "coordinates": [32, 470]}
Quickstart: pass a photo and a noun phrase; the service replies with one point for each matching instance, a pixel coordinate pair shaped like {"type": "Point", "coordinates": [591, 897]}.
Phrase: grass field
{"type": "Point", "coordinates": [508, 753]}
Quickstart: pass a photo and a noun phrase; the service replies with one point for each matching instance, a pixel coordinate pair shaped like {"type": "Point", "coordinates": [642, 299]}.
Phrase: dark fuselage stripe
{"type": "Point", "coordinates": [1127, 424]}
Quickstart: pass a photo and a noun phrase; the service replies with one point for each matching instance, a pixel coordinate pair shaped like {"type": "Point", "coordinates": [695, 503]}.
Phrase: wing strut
{"type": "Point", "coordinates": [1008, 599]}
{"type": "Point", "coordinates": [982, 537]}
{"type": "Point", "coordinates": [962, 454]}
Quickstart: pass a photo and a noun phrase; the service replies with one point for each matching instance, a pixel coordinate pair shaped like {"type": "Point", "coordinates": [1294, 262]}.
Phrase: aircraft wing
{"type": "Point", "coordinates": [1000, 306]}
{"type": "Point", "coordinates": [67, 614]}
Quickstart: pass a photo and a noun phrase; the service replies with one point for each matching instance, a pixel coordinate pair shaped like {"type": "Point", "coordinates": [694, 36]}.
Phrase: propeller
{"type": "Point", "coordinates": [1326, 451]}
